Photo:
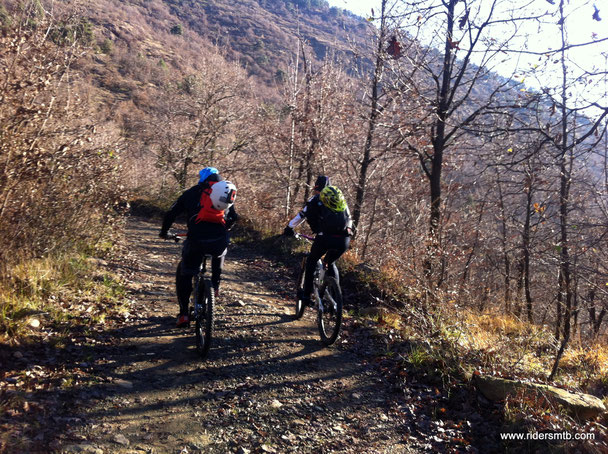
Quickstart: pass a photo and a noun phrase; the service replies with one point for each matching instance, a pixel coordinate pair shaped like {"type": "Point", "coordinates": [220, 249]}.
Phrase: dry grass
{"type": "Point", "coordinates": [55, 291]}
{"type": "Point", "coordinates": [594, 356]}
{"type": "Point", "coordinates": [512, 347]}
{"type": "Point", "coordinates": [498, 331]}
{"type": "Point", "coordinates": [496, 343]}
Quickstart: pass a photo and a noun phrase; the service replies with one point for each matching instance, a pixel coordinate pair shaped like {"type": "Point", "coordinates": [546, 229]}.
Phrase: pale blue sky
{"type": "Point", "coordinates": [582, 29]}
{"type": "Point", "coordinates": [359, 7]}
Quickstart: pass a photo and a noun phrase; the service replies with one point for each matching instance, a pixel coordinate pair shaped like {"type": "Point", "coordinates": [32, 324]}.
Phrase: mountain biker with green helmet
{"type": "Point", "coordinates": [210, 214]}
{"type": "Point", "coordinates": [329, 218]}
{"type": "Point", "coordinates": [311, 208]}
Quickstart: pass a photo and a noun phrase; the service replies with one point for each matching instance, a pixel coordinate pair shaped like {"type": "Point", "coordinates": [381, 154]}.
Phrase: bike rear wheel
{"type": "Point", "coordinates": [204, 318]}
{"type": "Point", "coordinates": [329, 318]}
{"type": "Point", "coordinates": [300, 283]}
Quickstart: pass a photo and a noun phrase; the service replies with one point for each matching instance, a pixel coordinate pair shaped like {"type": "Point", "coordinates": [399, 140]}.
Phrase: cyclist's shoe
{"type": "Point", "coordinates": [182, 321]}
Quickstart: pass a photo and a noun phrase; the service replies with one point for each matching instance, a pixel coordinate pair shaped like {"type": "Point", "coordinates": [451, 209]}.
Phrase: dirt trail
{"type": "Point", "coordinates": [268, 384]}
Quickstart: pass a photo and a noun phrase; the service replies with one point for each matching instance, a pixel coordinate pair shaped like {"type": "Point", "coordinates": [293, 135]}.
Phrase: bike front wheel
{"type": "Point", "coordinates": [204, 318]}
{"type": "Point", "coordinates": [329, 318]}
{"type": "Point", "coordinates": [300, 283]}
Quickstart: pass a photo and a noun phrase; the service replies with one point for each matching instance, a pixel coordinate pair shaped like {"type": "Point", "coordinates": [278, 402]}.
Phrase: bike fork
{"type": "Point", "coordinates": [195, 298]}
{"type": "Point", "coordinates": [319, 299]}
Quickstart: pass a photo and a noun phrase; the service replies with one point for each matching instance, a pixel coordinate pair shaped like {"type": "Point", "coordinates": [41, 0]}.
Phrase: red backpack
{"type": "Point", "coordinates": [206, 211]}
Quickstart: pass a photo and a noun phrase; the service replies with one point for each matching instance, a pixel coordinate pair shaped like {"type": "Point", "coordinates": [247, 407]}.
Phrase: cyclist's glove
{"type": "Point", "coordinates": [289, 231]}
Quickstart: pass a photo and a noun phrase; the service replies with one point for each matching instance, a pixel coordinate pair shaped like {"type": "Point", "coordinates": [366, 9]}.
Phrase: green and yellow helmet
{"type": "Point", "coordinates": [333, 199]}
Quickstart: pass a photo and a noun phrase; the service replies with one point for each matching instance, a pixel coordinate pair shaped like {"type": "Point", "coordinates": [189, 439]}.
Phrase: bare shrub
{"type": "Point", "coordinates": [58, 175]}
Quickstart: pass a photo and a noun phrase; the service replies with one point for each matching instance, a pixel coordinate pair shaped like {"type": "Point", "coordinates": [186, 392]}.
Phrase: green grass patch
{"type": "Point", "coordinates": [56, 291]}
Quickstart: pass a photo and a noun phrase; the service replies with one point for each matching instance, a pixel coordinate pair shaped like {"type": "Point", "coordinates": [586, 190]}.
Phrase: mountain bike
{"type": "Point", "coordinates": [327, 298]}
{"type": "Point", "coordinates": [202, 303]}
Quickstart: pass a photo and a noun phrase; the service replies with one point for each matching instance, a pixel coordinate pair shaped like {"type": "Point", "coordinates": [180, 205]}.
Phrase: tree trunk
{"type": "Point", "coordinates": [505, 253]}
{"type": "Point", "coordinates": [596, 320]}
{"type": "Point", "coordinates": [574, 301]}
{"type": "Point", "coordinates": [367, 159]}
{"type": "Point", "coordinates": [565, 167]}
{"type": "Point", "coordinates": [465, 273]}
{"type": "Point", "coordinates": [438, 142]}
{"type": "Point", "coordinates": [182, 176]}
{"type": "Point", "coordinates": [369, 229]}
{"type": "Point", "coordinates": [520, 286]}
{"type": "Point", "coordinates": [292, 134]}
{"type": "Point", "coordinates": [526, 254]}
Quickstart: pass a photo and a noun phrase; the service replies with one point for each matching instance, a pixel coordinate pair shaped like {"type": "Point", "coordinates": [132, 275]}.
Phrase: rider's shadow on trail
{"type": "Point", "coordinates": [165, 347]}
{"type": "Point", "coordinates": [157, 359]}
{"type": "Point", "coordinates": [281, 320]}
{"type": "Point", "coordinates": [175, 365]}
{"type": "Point", "coordinates": [217, 385]}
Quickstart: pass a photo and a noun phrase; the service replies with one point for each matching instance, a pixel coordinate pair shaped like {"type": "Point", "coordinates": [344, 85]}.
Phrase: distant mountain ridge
{"type": "Point", "coordinates": [261, 34]}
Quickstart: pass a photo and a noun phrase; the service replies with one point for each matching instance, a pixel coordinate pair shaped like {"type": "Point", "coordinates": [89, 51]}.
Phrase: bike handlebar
{"type": "Point", "coordinates": [177, 236]}
{"type": "Point", "coordinates": [306, 237]}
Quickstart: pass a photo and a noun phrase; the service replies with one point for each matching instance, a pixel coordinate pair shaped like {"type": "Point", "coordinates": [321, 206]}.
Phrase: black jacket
{"type": "Point", "coordinates": [310, 212]}
{"type": "Point", "coordinates": [188, 203]}
{"type": "Point", "coordinates": [322, 220]}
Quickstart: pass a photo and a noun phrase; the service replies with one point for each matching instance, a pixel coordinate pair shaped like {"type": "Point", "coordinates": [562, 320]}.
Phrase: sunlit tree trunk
{"type": "Point", "coordinates": [366, 158]}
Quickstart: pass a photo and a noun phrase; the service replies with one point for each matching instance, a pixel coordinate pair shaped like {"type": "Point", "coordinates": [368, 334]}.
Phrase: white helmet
{"type": "Point", "coordinates": [222, 195]}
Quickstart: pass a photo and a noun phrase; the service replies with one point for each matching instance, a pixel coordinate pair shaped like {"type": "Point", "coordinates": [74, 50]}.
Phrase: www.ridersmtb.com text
{"type": "Point", "coordinates": [546, 436]}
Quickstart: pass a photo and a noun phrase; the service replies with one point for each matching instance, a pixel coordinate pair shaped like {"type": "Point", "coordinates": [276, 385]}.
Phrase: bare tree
{"type": "Point", "coordinates": [199, 119]}
{"type": "Point", "coordinates": [474, 37]}
{"type": "Point", "coordinates": [60, 167]}
{"type": "Point", "coordinates": [375, 109]}
{"type": "Point", "coordinates": [570, 140]}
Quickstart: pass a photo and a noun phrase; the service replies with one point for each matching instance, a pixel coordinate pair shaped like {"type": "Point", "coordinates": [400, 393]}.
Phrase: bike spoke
{"type": "Point", "coordinates": [329, 317]}
{"type": "Point", "coordinates": [204, 321]}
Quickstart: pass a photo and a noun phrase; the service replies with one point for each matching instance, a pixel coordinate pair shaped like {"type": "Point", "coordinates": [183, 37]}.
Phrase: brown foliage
{"type": "Point", "coordinates": [59, 166]}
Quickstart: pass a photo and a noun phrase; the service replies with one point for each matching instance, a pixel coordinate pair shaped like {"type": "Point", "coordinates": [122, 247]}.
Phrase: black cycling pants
{"type": "Point", "coordinates": [332, 245]}
{"type": "Point", "coordinates": [193, 253]}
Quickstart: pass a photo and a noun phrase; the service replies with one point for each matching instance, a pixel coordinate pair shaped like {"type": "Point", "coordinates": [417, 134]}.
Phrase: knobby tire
{"type": "Point", "coordinates": [204, 320]}
{"type": "Point", "coordinates": [300, 283]}
{"type": "Point", "coordinates": [330, 320]}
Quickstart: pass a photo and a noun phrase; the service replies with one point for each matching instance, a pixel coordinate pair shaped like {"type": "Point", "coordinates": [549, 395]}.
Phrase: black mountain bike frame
{"type": "Point", "coordinates": [327, 298]}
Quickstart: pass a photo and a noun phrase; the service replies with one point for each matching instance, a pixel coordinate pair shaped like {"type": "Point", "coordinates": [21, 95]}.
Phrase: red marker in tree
{"type": "Point", "coordinates": [394, 48]}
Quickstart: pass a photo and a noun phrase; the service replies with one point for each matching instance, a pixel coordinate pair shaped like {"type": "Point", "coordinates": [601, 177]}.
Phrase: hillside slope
{"type": "Point", "coordinates": [262, 35]}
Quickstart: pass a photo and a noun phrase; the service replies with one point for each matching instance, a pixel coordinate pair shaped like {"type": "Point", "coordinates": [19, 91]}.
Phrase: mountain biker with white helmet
{"type": "Point", "coordinates": [329, 218]}
{"type": "Point", "coordinates": [209, 206]}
